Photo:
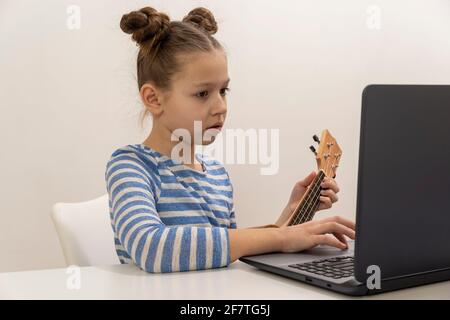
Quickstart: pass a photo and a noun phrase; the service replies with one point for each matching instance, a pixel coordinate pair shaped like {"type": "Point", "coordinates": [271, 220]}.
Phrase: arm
{"type": "Point", "coordinates": [296, 195]}
{"type": "Point", "coordinates": [264, 226]}
{"type": "Point", "coordinates": [329, 231]}
{"type": "Point", "coordinates": [279, 237]}
{"type": "Point", "coordinates": [247, 242]}
{"type": "Point", "coordinates": [285, 215]}
{"type": "Point", "coordinates": [282, 238]}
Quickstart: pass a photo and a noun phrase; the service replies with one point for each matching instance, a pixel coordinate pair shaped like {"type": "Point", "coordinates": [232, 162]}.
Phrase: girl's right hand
{"type": "Point", "coordinates": [330, 231]}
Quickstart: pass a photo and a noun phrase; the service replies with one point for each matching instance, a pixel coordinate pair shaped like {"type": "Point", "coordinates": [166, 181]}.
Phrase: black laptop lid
{"type": "Point", "coordinates": [403, 203]}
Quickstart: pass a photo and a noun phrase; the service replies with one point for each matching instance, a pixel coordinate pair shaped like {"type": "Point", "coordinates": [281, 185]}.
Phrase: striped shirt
{"type": "Point", "coordinates": [167, 216]}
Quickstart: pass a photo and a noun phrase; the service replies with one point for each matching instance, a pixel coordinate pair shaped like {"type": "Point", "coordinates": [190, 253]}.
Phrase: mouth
{"type": "Point", "coordinates": [217, 126]}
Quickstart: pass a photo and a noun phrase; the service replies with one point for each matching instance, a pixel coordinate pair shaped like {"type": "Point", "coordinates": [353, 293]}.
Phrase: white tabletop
{"type": "Point", "coordinates": [237, 281]}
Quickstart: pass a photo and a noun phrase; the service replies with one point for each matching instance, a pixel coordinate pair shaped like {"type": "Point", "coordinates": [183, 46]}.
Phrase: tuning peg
{"type": "Point", "coordinates": [313, 149]}
{"type": "Point", "coordinates": [316, 138]}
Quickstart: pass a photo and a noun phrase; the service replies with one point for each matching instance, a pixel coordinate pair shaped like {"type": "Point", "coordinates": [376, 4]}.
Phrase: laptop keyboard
{"type": "Point", "coordinates": [336, 267]}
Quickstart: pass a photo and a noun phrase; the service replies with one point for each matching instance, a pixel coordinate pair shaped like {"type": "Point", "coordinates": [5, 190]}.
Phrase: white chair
{"type": "Point", "coordinates": [85, 233]}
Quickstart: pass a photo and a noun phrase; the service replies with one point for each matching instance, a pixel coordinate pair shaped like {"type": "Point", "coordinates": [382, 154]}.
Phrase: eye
{"type": "Point", "coordinates": [224, 91]}
{"type": "Point", "coordinates": [202, 94]}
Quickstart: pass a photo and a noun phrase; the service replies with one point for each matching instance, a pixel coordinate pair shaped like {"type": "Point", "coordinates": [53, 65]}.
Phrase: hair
{"type": "Point", "coordinates": [161, 42]}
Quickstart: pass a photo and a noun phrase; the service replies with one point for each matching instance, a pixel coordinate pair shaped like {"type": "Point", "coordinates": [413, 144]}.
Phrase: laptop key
{"type": "Point", "coordinates": [336, 267]}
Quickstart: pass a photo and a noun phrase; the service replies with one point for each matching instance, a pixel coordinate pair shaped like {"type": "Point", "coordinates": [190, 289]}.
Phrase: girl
{"type": "Point", "coordinates": [171, 215]}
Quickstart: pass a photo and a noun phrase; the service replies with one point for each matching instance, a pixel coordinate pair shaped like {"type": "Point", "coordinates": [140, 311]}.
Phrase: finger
{"type": "Point", "coordinates": [327, 204]}
{"type": "Point", "coordinates": [332, 227]}
{"type": "Point", "coordinates": [330, 240]}
{"type": "Point", "coordinates": [341, 238]}
{"type": "Point", "coordinates": [348, 223]}
{"type": "Point", "coordinates": [308, 179]}
{"type": "Point", "coordinates": [329, 183]}
{"type": "Point", "coordinates": [330, 194]}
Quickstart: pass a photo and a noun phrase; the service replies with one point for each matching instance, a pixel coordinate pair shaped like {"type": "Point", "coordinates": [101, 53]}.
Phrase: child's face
{"type": "Point", "coordinates": [198, 93]}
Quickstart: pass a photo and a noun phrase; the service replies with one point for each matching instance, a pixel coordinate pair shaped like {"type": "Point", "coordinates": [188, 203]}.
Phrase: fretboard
{"type": "Point", "coordinates": [310, 202]}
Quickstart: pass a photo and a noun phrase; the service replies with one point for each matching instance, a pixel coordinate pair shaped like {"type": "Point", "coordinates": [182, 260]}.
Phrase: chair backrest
{"type": "Point", "coordinates": [84, 230]}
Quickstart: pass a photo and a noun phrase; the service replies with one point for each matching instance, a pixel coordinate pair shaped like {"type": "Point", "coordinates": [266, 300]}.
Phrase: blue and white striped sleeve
{"type": "Point", "coordinates": [152, 245]}
{"type": "Point", "coordinates": [233, 224]}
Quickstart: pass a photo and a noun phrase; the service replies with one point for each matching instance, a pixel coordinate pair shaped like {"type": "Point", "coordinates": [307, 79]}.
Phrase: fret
{"type": "Point", "coordinates": [310, 202]}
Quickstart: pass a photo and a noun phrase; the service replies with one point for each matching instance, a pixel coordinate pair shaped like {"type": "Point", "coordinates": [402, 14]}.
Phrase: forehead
{"type": "Point", "coordinates": [203, 67]}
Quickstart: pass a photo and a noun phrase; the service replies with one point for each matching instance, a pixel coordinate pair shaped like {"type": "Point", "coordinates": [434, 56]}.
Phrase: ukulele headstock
{"type": "Point", "coordinates": [328, 153]}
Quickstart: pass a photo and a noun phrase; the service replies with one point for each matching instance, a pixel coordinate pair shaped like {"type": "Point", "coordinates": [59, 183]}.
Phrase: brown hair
{"type": "Point", "coordinates": [161, 41]}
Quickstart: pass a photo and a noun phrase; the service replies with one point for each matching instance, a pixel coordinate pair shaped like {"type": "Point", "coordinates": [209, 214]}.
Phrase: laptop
{"type": "Point", "coordinates": [403, 207]}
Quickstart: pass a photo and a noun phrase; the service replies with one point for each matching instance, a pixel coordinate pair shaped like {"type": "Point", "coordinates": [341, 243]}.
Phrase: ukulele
{"type": "Point", "coordinates": [328, 156]}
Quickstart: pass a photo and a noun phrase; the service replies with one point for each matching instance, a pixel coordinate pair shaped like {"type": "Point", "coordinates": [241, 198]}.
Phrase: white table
{"type": "Point", "coordinates": [237, 281]}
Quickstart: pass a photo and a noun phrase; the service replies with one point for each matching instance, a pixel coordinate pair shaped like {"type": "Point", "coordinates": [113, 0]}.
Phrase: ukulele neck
{"type": "Point", "coordinates": [309, 204]}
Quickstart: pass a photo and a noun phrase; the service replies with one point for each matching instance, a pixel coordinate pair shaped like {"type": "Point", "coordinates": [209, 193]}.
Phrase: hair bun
{"type": "Point", "coordinates": [145, 24]}
{"type": "Point", "coordinates": [202, 18]}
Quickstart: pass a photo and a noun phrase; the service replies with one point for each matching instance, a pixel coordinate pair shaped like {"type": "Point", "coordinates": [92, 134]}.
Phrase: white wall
{"type": "Point", "coordinates": [68, 98]}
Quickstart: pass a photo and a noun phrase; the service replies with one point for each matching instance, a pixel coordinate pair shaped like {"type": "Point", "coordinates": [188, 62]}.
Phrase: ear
{"type": "Point", "coordinates": [152, 97]}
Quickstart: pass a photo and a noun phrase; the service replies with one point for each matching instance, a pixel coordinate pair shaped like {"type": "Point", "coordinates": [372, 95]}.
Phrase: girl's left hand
{"type": "Point", "coordinates": [327, 198]}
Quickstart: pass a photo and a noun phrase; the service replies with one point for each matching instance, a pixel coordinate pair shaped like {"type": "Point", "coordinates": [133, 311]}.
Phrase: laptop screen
{"type": "Point", "coordinates": [403, 203]}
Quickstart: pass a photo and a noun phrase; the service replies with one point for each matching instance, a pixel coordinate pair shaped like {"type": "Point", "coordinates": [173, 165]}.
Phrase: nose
{"type": "Point", "coordinates": [219, 105]}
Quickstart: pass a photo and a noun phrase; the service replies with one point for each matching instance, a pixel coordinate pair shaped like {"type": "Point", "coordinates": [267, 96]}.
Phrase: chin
{"type": "Point", "coordinates": [207, 143]}
{"type": "Point", "coordinates": [211, 136]}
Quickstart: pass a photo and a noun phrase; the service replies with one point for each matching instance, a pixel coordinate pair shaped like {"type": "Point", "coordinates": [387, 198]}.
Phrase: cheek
{"type": "Point", "coordinates": [184, 113]}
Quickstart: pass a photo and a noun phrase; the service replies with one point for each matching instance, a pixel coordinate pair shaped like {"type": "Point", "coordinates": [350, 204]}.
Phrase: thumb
{"type": "Point", "coordinates": [308, 179]}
